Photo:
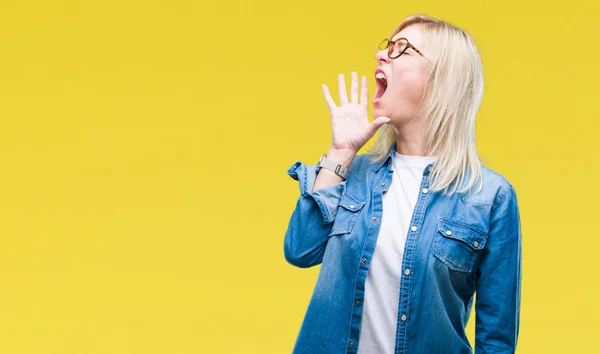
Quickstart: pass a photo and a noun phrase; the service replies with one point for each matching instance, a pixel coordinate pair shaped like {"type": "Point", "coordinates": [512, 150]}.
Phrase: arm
{"type": "Point", "coordinates": [311, 220]}
{"type": "Point", "coordinates": [498, 279]}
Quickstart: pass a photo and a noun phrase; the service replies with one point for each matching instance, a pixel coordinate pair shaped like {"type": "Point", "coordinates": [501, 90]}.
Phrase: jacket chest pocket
{"type": "Point", "coordinates": [458, 245]}
{"type": "Point", "coordinates": [346, 214]}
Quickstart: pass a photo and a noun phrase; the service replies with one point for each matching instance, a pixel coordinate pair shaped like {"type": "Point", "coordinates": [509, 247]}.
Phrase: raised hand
{"type": "Point", "coordinates": [350, 126]}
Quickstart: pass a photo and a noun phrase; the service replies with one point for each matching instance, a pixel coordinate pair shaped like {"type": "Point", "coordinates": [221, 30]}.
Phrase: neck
{"type": "Point", "coordinates": [410, 139]}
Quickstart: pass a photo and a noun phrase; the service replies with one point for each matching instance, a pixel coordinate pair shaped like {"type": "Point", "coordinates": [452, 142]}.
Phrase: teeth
{"type": "Point", "coordinates": [380, 76]}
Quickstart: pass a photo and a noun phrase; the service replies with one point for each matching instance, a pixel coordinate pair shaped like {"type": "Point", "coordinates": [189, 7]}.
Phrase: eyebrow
{"type": "Point", "coordinates": [400, 37]}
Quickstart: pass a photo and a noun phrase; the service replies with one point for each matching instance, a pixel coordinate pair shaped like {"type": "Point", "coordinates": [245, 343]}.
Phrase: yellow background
{"type": "Point", "coordinates": [144, 147]}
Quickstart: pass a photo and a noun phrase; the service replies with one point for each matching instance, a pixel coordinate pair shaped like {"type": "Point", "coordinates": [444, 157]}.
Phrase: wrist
{"type": "Point", "coordinates": [343, 157]}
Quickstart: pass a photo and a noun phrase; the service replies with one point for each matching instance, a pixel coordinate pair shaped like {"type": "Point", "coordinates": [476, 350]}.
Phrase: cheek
{"type": "Point", "coordinates": [410, 83]}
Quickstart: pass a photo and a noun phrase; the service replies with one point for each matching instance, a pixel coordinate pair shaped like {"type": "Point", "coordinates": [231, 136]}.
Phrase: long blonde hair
{"type": "Point", "coordinates": [452, 96]}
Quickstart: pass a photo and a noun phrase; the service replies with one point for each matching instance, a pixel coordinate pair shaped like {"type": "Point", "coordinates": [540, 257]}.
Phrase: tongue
{"type": "Point", "coordinates": [380, 91]}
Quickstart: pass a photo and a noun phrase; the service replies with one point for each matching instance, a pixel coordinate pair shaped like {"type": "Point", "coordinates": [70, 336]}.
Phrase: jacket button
{"type": "Point", "coordinates": [383, 184]}
{"type": "Point", "coordinates": [407, 272]}
{"type": "Point", "coordinates": [414, 228]}
{"type": "Point", "coordinates": [425, 190]}
{"type": "Point", "coordinates": [375, 218]}
{"type": "Point", "coordinates": [363, 261]}
{"type": "Point", "coordinates": [352, 206]}
{"type": "Point", "coordinates": [351, 345]}
{"type": "Point", "coordinates": [403, 318]}
{"type": "Point", "coordinates": [448, 232]}
{"type": "Point", "coordinates": [357, 303]}
{"type": "Point", "coordinates": [476, 244]}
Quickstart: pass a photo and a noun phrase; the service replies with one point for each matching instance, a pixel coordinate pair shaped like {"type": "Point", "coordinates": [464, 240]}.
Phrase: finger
{"type": "Point", "coordinates": [354, 88]}
{"type": "Point", "coordinates": [342, 89]}
{"type": "Point", "coordinates": [328, 98]}
{"type": "Point", "coordinates": [364, 91]}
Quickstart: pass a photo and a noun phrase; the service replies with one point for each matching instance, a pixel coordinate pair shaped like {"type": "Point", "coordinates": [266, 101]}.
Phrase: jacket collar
{"type": "Point", "coordinates": [390, 158]}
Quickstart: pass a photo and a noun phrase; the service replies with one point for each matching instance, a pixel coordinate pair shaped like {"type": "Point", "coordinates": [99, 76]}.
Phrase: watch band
{"type": "Point", "coordinates": [332, 166]}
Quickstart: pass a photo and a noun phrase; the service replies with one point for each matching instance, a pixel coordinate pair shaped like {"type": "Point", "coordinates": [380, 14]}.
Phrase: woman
{"type": "Point", "coordinates": [408, 234]}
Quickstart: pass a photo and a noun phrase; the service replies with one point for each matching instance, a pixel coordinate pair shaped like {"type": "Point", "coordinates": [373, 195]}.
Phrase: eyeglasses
{"type": "Point", "coordinates": [397, 48]}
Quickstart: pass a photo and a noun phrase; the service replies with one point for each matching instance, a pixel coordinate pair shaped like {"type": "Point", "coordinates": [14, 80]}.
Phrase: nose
{"type": "Point", "coordinates": [382, 56]}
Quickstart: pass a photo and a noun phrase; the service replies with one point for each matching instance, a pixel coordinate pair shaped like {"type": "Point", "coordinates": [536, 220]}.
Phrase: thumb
{"type": "Point", "coordinates": [378, 122]}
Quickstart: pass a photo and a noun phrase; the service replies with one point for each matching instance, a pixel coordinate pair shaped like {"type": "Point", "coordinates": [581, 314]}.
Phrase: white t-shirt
{"type": "Point", "coordinates": [382, 288]}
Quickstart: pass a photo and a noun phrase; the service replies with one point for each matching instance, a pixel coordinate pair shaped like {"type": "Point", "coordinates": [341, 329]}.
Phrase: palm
{"type": "Point", "coordinates": [349, 125]}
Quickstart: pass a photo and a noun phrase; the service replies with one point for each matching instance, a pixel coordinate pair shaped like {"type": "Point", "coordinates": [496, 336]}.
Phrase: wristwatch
{"type": "Point", "coordinates": [332, 166]}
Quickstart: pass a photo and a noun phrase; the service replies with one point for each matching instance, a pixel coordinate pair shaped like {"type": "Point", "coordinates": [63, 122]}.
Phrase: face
{"type": "Point", "coordinates": [406, 77]}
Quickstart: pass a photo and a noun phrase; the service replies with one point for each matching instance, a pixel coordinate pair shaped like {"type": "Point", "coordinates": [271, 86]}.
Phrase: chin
{"type": "Point", "coordinates": [379, 111]}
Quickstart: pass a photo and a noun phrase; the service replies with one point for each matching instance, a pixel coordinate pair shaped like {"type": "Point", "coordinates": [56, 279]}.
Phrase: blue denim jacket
{"type": "Point", "coordinates": [464, 244]}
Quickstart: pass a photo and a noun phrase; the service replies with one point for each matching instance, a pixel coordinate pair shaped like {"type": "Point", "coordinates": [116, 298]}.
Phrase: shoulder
{"type": "Point", "coordinates": [499, 188]}
{"type": "Point", "coordinates": [495, 178]}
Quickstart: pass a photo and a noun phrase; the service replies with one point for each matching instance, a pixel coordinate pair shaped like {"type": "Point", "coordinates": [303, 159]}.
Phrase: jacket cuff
{"type": "Point", "coordinates": [327, 198]}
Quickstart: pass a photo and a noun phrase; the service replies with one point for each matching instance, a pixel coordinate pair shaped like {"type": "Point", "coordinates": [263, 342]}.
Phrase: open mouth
{"type": "Point", "coordinates": [381, 82]}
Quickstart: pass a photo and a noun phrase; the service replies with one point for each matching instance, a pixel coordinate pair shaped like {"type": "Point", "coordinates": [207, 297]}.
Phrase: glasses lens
{"type": "Point", "coordinates": [384, 44]}
{"type": "Point", "coordinates": [399, 47]}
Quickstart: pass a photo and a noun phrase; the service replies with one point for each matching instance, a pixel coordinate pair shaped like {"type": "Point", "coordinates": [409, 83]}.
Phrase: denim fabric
{"type": "Point", "coordinates": [465, 244]}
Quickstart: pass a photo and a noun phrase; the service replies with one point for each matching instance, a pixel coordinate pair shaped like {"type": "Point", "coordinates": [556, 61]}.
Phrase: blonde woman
{"type": "Point", "coordinates": [408, 234]}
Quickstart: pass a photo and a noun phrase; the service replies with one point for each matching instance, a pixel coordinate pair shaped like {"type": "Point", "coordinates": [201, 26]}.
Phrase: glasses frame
{"type": "Point", "coordinates": [391, 44]}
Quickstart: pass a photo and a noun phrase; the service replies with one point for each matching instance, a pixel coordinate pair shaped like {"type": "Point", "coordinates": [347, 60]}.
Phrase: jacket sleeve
{"type": "Point", "coordinates": [311, 220]}
{"type": "Point", "coordinates": [498, 279]}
